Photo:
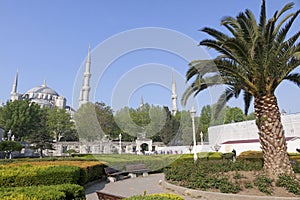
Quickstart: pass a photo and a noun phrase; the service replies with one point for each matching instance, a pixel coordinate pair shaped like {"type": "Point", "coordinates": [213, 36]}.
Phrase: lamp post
{"type": "Point", "coordinates": [201, 137]}
{"type": "Point", "coordinates": [217, 147]}
{"type": "Point", "coordinates": [9, 134]}
{"type": "Point", "coordinates": [193, 113]}
{"type": "Point", "coordinates": [120, 143]}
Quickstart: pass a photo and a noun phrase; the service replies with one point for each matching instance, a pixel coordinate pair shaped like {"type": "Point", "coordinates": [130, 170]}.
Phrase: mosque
{"type": "Point", "coordinates": [240, 136]}
{"type": "Point", "coordinates": [47, 97]}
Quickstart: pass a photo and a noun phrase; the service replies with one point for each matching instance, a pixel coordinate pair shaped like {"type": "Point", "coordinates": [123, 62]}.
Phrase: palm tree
{"type": "Point", "coordinates": [254, 59]}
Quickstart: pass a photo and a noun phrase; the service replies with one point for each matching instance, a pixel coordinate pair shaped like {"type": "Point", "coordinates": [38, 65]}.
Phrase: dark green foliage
{"type": "Point", "coordinates": [207, 174]}
{"type": "Point", "coordinates": [255, 156]}
{"type": "Point", "coordinates": [60, 125]}
{"type": "Point", "coordinates": [27, 175]}
{"type": "Point", "coordinates": [227, 156]}
{"type": "Point", "coordinates": [91, 173]}
{"type": "Point", "coordinates": [234, 114]}
{"type": "Point", "coordinates": [169, 130]}
{"type": "Point", "coordinates": [290, 183]}
{"type": "Point", "coordinates": [22, 117]}
{"type": "Point", "coordinates": [10, 146]}
{"type": "Point", "coordinates": [53, 192]}
{"type": "Point", "coordinates": [106, 120]}
{"type": "Point", "coordinates": [263, 183]}
{"type": "Point", "coordinates": [248, 185]}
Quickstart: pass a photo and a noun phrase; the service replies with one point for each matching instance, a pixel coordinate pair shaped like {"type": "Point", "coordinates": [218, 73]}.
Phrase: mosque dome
{"type": "Point", "coordinates": [41, 92]}
{"type": "Point", "coordinates": [42, 89]}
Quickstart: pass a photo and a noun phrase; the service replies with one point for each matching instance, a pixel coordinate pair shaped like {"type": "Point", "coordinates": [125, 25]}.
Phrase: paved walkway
{"type": "Point", "coordinates": [129, 187]}
{"type": "Point", "coordinates": [154, 183]}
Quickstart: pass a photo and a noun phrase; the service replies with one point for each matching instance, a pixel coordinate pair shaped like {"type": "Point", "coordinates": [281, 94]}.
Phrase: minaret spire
{"type": "Point", "coordinates": [85, 90]}
{"type": "Point", "coordinates": [142, 102]}
{"type": "Point", "coordinates": [14, 91]}
{"type": "Point", "coordinates": [15, 85]}
{"type": "Point", "coordinates": [44, 84]}
{"type": "Point", "coordinates": [174, 95]}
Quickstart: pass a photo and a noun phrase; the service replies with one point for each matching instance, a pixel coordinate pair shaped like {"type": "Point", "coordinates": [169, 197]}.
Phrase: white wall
{"type": "Point", "coordinates": [248, 130]}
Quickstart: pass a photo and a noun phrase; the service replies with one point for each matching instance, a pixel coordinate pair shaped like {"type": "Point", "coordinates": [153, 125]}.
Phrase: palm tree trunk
{"type": "Point", "coordinates": [271, 136]}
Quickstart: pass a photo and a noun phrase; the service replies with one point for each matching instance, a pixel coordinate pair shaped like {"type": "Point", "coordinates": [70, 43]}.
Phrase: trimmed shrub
{"type": "Point", "coordinates": [48, 173]}
{"type": "Point", "coordinates": [254, 156]}
{"type": "Point", "coordinates": [156, 197]}
{"type": "Point", "coordinates": [53, 192]}
{"type": "Point", "coordinates": [27, 175]}
{"type": "Point", "coordinates": [209, 174]}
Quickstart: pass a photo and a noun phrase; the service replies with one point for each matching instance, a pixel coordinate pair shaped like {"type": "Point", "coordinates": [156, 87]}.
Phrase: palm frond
{"type": "Point", "coordinates": [262, 21]}
{"type": "Point", "coordinates": [294, 77]}
{"type": "Point", "coordinates": [247, 99]}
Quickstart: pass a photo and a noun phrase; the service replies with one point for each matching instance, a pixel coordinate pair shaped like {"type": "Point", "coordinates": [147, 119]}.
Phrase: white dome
{"type": "Point", "coordinates": [41, 89]}
{"type": "Point", "coordinates": [41, 93]}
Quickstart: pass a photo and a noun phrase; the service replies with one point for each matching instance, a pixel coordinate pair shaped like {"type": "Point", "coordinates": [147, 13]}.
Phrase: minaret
{"type": "Point", "coordinates": [141, 102]}
{"type": "Point", "coordinates": [85, 90]}
{"type": "Point", "coordinates": [14, 92]}
{"type": "Point", "coordinates": [174, 95]}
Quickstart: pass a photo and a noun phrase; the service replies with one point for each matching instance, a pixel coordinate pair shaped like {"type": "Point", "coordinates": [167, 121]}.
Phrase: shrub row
{"type": "Point", "coordinates": [53, 192]}
{"type": "Point", "coordinates": [29, 175]}
{"type": "Point", "coordinates": [209, 174]}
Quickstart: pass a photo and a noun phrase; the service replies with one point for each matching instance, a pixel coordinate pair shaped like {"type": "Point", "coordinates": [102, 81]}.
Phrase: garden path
{"type": "Point", "coordinates": [129, 187]}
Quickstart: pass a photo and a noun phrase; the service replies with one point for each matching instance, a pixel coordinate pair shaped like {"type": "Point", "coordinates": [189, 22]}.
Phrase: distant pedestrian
{"type": "Point", "coordinates": [234, 155]}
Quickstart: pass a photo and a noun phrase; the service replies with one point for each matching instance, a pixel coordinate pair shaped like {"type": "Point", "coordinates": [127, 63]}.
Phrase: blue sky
{"type": "Point", "coordinates": [49, 40]}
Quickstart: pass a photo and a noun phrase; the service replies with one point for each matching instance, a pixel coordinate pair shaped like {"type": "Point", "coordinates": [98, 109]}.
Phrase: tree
{"type": "Point", "coordinates": [169, 130]}
{"type": "Point", "coordinates": [9, 146]}
{"type": "Point", "coordinates": [106, 120]}
{"type": "Point", "coordinates": [59, 124]}
{"type": "Point", "coordinates": [254, 59]}
{"type": "Point", "coordinates": [87, 123]}
{"type": "Point", "coordinates": [41, 137]}
{"type": "Point", "coordinates": [22, 117]}
{"type": "Point", "coordinates": [205, 120]}
{"type": "Point", "coordinates": [234, 114]}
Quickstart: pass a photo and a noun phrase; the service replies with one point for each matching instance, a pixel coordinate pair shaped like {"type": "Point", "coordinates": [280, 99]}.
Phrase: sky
{"type": "Point", "coordinates": [135, 47]}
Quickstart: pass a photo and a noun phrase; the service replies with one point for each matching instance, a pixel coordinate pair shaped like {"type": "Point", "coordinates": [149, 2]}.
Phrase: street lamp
{"type": "Point", "coordinates": [201, 137]}
{"type": "Point", "coordinates": [120, 143]}
{"type": "Point", "coordinates": [193, 113]}
{"type": "Point", "coordinates": [217, 147]}
{"type": "Point", "coordinates": [9, 134]}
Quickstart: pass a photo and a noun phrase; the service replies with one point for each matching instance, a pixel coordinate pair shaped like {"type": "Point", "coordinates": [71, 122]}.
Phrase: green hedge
{"type": "Point", "coordinates": [53, 192]}
{"type": "Point", "coordinates": [208, 174]}
{"type": "Point", "coordinates": [27, 175]}
{"type": "Point", "coordinates": [91, 173]}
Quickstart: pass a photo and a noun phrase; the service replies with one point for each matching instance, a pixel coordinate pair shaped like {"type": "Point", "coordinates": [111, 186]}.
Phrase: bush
{"type": "Point", "coordinates": [50, 173]}
{"type": "Point", "coordinates": [55, 192]}
{"type": "Point", "coordinates": [254, 156]}
{"type": "Point", "coordinates": [208, 174]}
{"type": "Point", "coordinates": [156, 197]}
{"type": "Point", "coordinates": [263, 183]}
{"type": "Point", "coordinates": [27, 175]}
{"type": "Point", "coordinates": [288, 182]}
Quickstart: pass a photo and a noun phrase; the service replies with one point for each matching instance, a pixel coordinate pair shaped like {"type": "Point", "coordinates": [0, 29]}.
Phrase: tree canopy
{"type": "Point", "coordinates": [255, 57]}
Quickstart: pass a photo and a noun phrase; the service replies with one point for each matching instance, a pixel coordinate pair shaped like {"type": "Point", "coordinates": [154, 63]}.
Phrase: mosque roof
{"type": "Point", "coordinates": [42, 89]}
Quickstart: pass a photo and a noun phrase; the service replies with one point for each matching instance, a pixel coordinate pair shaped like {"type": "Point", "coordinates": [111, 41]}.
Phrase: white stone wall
{"type": "Point", "coordinates": [248, 130]}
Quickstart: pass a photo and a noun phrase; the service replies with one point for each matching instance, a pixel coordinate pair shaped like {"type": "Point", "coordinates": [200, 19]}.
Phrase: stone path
{"type": "Point", "coordinates": [154, 183]}
{"type": "Point", "coordinates": [129, 187]}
